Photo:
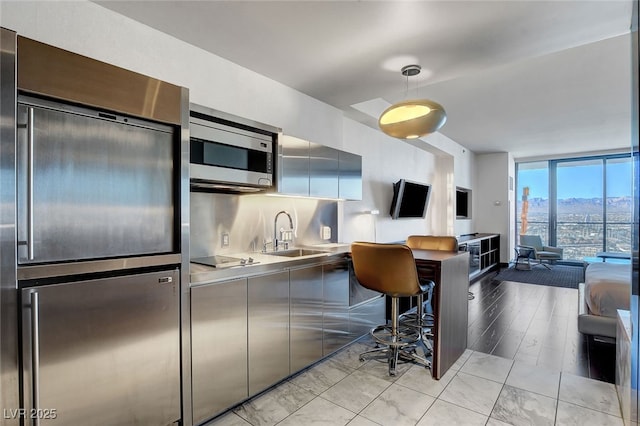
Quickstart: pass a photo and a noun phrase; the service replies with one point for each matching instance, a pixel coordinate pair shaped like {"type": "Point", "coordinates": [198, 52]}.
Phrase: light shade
{"type": "Point", "coordinates": [412, 119]}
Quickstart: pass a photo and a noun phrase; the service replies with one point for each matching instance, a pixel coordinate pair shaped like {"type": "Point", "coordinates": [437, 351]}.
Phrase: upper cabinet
{"type": "Point", "coordinates": [350, 178]}
{"type": "Point", "coordinates": [293, 166]}
{"type": "Point", "coordinates": [313, 170]}
{"type": "Point", "coordinates": [323, 171]}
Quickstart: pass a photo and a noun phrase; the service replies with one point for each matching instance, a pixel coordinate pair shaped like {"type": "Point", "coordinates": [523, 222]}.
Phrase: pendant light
{"type": "Point", "coordinates": [413, 118]}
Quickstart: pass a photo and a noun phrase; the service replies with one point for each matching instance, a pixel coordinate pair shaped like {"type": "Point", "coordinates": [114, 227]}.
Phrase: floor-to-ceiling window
{"type": "Point", "coordinates": [533, 199]}
{"type": "Point", "coordinates": [583, 205]}
{"type": "Point", "coordinates": [578, 207]}
{"type": "Point", "coordinates": [619, 205]}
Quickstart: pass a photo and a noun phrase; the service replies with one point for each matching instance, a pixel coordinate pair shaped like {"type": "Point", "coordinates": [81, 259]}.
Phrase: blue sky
{"type": "Point", "coordinates": [578, 182]}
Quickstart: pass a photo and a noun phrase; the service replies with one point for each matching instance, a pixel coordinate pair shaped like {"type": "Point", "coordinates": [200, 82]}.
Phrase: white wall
{"type": "Point", "coordinates": [88, 29]}
{"type": "Point", "coordinates": [464, 172]}
{"type": "Point", "coordinates": [511, 167]}
{"type": "Point", "coordinates": [492, 199]}
{"type": "Point", "coordinates": [91, 30]}
{"type": "Point", "coordinates": [386, 160]}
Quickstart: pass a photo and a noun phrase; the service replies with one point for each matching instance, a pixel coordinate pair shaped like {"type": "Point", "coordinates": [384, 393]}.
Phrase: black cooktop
{"type": "Point", "coordinates": [223, 261]}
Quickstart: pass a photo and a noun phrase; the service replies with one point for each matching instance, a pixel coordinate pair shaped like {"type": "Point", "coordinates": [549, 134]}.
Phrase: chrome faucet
{"type": "Point", "coordinates": [275, 227]}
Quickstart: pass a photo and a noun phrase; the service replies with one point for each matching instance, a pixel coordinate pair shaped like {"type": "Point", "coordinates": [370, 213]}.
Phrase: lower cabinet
{"type": "Point", "coordinates": [268, 330]}
{"type": "Point", "coordinates": [305, 290]}
{"type": "Point", "coordinates": [218, 347]}
{"type": "Point", "coordinates": [335, 315]}
{"type": "Point", "coordinates": [247, 334]}
{"type": "Point", "coordinates": [366, 315]}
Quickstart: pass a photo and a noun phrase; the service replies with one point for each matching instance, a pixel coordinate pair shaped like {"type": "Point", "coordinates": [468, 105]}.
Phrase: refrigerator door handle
{"type": "Point", "coordinates": [30, 146]}
{"type": "Point", "coordinates": [35, 355]}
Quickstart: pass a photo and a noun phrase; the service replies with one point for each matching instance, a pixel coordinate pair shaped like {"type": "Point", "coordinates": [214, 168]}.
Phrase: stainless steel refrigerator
{"type": "Point", "coordinates": [103, 351]}
{"type": "Point", "coordinates": [98, 245]}
{"type": "Point", "coordinates": [98, 190]}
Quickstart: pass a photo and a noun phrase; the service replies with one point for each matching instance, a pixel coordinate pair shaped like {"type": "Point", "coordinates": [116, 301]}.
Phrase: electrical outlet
{"type": "Point", "coordinates": [225, 239]}
{"type": "Point", "coordinates": [325, 233]}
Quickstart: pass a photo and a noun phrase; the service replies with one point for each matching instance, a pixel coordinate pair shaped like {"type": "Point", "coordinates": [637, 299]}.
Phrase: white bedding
{"type": "Point", "coordinates": [607, 287]}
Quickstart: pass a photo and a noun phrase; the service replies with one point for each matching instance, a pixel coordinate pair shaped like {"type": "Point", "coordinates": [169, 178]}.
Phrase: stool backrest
{"type": "Point", "coordinates": [432, 242]}
{"type": "Point", "coordinates": [386, 268]}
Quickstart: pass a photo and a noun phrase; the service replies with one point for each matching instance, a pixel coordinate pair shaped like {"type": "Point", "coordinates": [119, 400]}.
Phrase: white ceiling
{"type": "Point", "coordinates": [534, 78]}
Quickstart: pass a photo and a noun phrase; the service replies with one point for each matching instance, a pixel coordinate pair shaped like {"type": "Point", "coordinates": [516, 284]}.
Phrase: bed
{"type": "Point", "coordinates": [606, 288]}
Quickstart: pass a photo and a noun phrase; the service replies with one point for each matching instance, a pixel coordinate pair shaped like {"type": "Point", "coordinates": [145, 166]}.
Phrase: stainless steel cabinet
{"type": "Point", "coordinates": [103, 352]}
{"type": "Point", "coordinates": [323, 171]}
{"type": "Point", "coordinates": [218, 347]}
{"type": "Point", "coordinates": [336, 306]}
{"type": "Point", "coordinates": [350, 179]}
{"type": "Point", "coordinates": [306, 316]}
{"type": "Point", "coordinates": [293, 166]}
{"type": "Point", "coordinates": [268, 330]}
{"type": "Point", "coordinates": [310, 169]}
{"type": "Point", "coordinates": [365, 316]}
{"type": "Point", "coordinates": [250, 333]}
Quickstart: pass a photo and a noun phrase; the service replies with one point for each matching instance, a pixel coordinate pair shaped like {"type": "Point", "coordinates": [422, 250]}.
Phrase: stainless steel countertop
{"type": "Point", "coordinates": [265, 263]}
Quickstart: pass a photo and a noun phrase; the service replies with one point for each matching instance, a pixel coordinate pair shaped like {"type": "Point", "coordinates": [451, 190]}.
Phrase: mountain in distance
{"type": "Point", "coordinates": [584, 205]}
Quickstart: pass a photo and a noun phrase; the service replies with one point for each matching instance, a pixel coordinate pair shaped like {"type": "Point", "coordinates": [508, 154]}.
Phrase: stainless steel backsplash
{"type": "Point", "coordinates": [248, 219]}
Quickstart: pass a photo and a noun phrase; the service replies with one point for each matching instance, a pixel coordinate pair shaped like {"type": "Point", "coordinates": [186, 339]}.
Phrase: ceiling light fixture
{"type": "Point", "coordinates": [413, 118]}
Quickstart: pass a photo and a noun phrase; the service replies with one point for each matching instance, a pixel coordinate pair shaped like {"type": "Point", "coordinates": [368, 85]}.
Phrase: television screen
{"type": "Point", "coordinates": [410, 199]}
{"type": "Point", "coordinates": [463, 203]}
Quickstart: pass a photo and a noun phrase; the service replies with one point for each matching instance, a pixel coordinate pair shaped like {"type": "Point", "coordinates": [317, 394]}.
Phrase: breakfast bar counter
{"type": "Point", "coordinates": [450, 272]}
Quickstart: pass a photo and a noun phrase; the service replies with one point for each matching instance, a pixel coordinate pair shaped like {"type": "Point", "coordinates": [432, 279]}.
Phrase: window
{"type": "Point", "coordinates": [532, 206]}
{"type": "Point", "coordinates": [583, 205]}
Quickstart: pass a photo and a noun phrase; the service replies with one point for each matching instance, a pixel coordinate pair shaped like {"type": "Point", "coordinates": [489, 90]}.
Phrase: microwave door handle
{"type": "Point", "coordinates": [30, 171]}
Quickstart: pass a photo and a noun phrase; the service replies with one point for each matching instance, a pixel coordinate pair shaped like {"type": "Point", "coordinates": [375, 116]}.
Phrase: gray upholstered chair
{"type": "Point", "coordinates": [540, 252]}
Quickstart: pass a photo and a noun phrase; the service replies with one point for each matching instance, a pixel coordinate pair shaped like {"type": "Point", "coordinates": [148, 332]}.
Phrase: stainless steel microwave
{"type": "Point", "coordinates": [227, 155]}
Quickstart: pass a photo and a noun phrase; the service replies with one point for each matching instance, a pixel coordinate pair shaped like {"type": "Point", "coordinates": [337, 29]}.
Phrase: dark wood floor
{"type": "Point", "coordinates": [535, 324]}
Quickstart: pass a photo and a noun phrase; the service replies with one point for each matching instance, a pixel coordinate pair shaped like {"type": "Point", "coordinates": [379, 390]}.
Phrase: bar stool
{"type": "Point", "coordinates": [423, 318]}
{"type": "Point", "coordinates": [390, 269]}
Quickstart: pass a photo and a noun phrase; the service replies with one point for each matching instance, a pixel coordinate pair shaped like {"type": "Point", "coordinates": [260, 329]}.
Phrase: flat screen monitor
{"type": "Point", "coordinates": [410, 199]}
{"type": "Point", "coordinates": [463, 203]}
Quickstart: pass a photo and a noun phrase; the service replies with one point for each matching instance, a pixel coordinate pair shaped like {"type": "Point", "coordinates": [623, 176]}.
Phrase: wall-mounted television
{"type": "Point", "coordinates": [463, 203]}
{"type": "Point", "coordinates": [410, 199]}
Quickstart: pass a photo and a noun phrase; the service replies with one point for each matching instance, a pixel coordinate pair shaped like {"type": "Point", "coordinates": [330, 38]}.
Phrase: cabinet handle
{"type": "Point", "coordinates": [30, 141]}
{"type": "Point", "coordinates": [35, 355]}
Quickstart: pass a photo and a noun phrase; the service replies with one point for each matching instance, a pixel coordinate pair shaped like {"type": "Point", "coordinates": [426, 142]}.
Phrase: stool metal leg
{"type": "Point", "coordinates": [398, 341]}
{"type": "Point", "coordinates": [421, 321]}
{"type": "Point", "coordinates": [393, 354]}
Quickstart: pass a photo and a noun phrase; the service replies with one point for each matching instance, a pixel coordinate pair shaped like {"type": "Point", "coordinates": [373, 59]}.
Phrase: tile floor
{"type": "Point", "coordinates": [480, 389]}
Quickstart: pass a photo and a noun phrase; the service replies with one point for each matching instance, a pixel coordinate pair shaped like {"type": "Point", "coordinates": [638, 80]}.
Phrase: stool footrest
{"type": "Point", "coordinates": [411, 320]}
{"type": "Point", "coordinates": [383, 334]}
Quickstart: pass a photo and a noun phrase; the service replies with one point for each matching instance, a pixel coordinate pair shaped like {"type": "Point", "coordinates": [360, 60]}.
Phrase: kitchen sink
{"type": "Point", "coordinates": [297, 252]}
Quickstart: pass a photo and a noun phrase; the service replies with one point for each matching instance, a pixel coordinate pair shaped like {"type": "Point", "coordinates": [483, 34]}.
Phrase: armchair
{"type": "Point", "coordinates": [540, 252]}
